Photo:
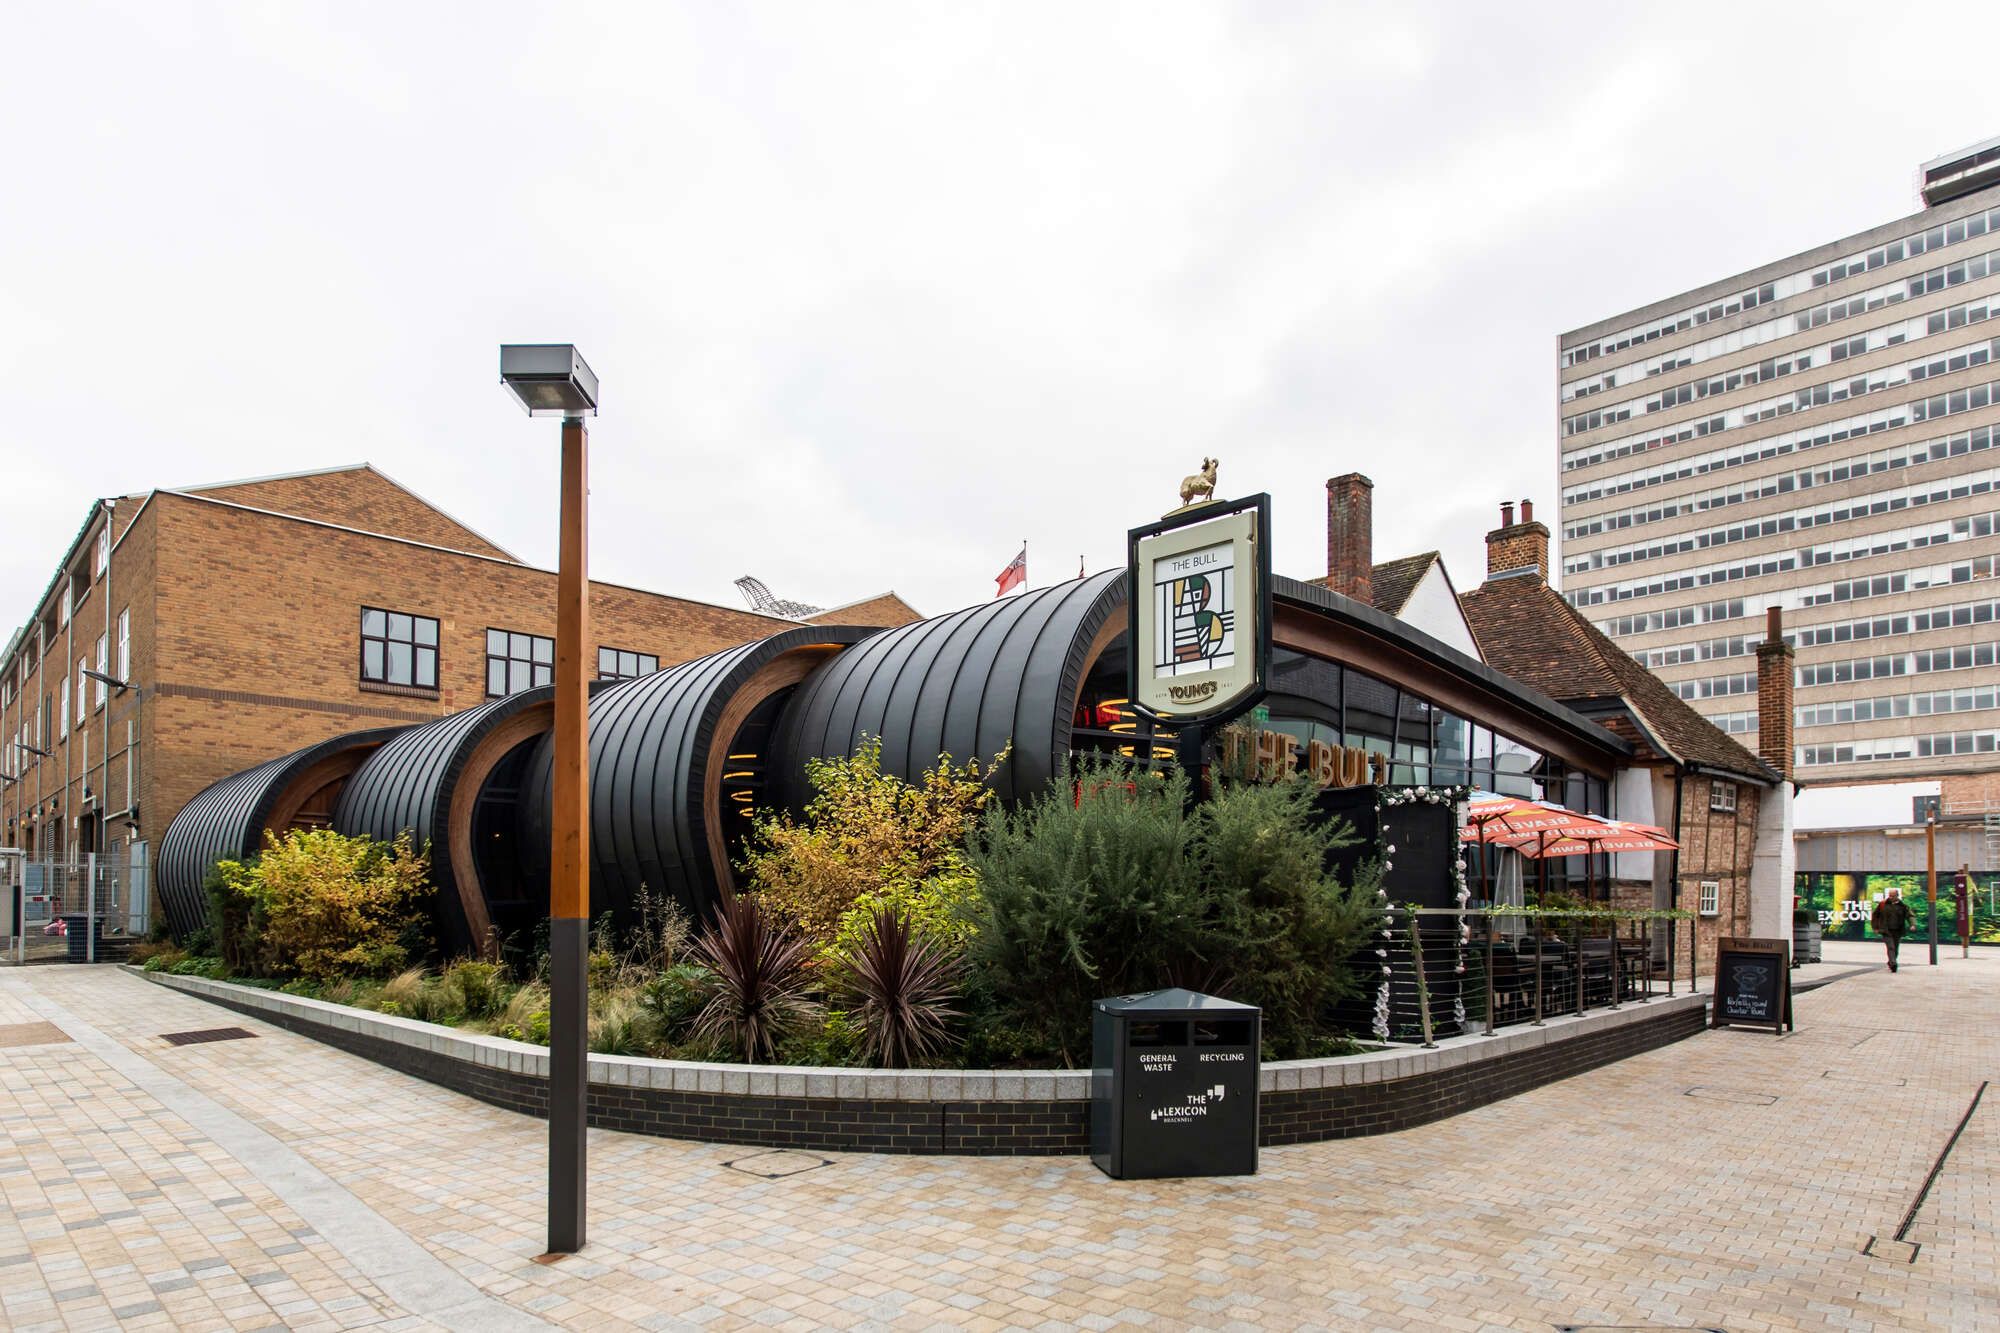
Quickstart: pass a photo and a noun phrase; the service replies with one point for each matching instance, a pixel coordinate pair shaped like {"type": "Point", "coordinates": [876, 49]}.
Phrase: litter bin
{"type": "Point", "coordinates": [80, 950]}
{"type": "Point", "coordinates": [1173, 1085]}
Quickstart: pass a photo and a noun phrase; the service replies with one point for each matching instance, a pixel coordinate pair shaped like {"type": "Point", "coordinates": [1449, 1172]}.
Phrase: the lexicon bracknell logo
{"type": "Point", "coordinates": [1197, 1106]}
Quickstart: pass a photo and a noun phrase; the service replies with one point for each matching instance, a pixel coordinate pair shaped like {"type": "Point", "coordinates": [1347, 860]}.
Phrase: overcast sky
{"type": "Point", "coordinates": [878, 292]}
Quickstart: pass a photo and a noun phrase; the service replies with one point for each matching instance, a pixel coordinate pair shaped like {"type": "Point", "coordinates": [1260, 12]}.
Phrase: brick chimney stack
{"type": "Point", "coordinates": [1518, 550]}
{"type": "Point", "coordinates": [1350, 537]}
{"type": "Point", "coordinates": [1774, 695]}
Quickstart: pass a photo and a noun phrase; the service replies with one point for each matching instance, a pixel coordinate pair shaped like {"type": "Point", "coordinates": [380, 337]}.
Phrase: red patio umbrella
{"type": "Point", "coordinates": [1511, 820]}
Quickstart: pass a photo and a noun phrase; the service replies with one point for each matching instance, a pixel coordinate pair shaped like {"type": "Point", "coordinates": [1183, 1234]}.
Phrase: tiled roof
{"type": "Point", "coordinates": [1526, 629]}
{"type": "Point", "coordinates": [1393, 580]}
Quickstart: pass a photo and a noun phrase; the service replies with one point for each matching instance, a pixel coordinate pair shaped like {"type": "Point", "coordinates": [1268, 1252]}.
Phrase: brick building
{"type": "Point", "coordinates": [1729, 808]}
{"type": "Point", "coordinates": [256, 617]}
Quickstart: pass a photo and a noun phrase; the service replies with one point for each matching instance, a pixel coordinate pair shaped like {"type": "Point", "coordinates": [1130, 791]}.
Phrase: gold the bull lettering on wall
{"type": "Point", "coordinates": [1271, 753]}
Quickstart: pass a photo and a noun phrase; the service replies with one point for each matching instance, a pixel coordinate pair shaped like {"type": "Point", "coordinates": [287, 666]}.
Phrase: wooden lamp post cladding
{"type": "Point", "coordinates": [569, 861]}
{"type": "Point", "coordinates": [552, 379]}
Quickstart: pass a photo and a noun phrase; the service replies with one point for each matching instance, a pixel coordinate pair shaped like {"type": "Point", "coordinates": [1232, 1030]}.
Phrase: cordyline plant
{"type": "Point", "coordinates": [759, 992]}
{"type": "Point", "coordinates": [907, 981]}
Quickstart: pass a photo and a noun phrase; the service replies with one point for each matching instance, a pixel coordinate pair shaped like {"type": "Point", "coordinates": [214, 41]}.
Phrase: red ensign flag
{"type": "Point", "coordinates": [1014, 575]}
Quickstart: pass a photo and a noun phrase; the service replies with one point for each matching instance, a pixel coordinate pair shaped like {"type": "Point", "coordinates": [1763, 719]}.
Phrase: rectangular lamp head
{"type": "Point", "coordinates": [550, 379]}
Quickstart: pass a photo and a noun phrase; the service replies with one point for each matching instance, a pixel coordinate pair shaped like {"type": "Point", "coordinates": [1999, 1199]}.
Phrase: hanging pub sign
{"type": "Point", "coordinates": [1200, 629]}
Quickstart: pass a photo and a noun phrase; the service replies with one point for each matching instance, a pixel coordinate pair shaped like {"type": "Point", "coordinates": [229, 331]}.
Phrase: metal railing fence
{"type": "Point", "coordinates": [1443, 972]}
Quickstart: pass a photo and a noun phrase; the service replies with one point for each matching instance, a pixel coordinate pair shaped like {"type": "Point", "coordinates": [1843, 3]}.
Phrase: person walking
{"type": "Point", "coordinates": [1891, 920]}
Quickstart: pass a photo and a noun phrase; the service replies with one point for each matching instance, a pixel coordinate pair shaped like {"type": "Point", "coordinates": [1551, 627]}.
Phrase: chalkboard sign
{"type": "Point", "coordinates": [1753, 984]}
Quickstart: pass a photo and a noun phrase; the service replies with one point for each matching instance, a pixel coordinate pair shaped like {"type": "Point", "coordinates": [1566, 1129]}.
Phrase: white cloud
{"type": "Point", "coordinates": [877, 291]}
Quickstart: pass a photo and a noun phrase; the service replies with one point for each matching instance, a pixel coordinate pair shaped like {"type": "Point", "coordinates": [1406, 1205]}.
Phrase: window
{"type": "Point", "coordinates": [1711, 890]}
{"type": "Point", "coordinates": [399, 649]}
{"type": "Point", "coordinates": [62, 716]}
{"type": "Point", "coordinates": [103, 665]}
{"type": "Point", "coordinates": [82, 689]}
{"type": "Point", "coordinates": [103, 561]}
{"type": "Point", "coordinates": [1722, 796]}
{"type": "Point", "coordinates": [617, 664]}
{"type": "Point", "coordinates": [516, 662]}
{"type": "Point", "coordinates": [125, 644]}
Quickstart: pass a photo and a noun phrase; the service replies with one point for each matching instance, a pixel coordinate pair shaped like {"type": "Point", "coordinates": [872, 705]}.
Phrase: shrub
{"type": "Point", "coordinates": [864, 831]}
{"type": "Point", "coordinates": [477, 986]}
{"type": "Point", "coordinates": [759, 991]}
{"type": "Point", "coordinates": [334, 905]}
{"type": "Point", "coordinates": [417, 995]}
{"type": "Point", "coordinates": [943, 907]}
{"type": "Point", "coordinates": [1283, 929]}
{"type": "Point", "coordinates": [235, 912]}
{"type": "Point", "coordinates": [1086, 890]}
{"type": "Point", "coordinates": [155, 954]}
{"type": "Point", "coordinates": [1108, 885]}
{"type": "Point", "coordinates": [525, 1010]}
{"type": "Point", "coordinates": [834, 1040]}
{"type": "Point", "coordinates": [907, 981]}
{"type": "Point", "coordinates": [618, 1026]}
{"type": "Point", "coordinates": [674, 996]}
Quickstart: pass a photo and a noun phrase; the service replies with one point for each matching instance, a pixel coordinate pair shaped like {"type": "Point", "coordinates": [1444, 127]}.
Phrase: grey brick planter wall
{"type": "Point", "coordinates": [1017, 1113]}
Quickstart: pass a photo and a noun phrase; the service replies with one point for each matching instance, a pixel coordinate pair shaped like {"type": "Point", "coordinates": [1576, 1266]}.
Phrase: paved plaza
{"type": "Point", "coordinates": [1730, 1181]}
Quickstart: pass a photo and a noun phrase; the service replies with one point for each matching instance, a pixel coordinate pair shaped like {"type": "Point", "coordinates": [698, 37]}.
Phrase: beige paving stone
{"type": "Point", "coordinates": [1613, 1197]}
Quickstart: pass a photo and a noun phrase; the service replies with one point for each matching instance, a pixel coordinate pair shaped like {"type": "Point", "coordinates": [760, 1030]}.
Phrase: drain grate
{"type": "Point", "coordinates": [777, 1163]}
{"type": "Point", "coordinates": [205, 1034]}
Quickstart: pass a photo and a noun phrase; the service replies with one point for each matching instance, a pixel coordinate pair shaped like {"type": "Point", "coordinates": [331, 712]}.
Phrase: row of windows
{"type": "Point", "coordinates": [1894, 334]}
{"type": "Point", "coordinates": [1716, 687]}
{"type": "Point", "coordinates": [1680, 654]}
{"type": "Point", "coordinates": [1766, 409]}
{"type": "Point", "coordinates": [1882, 627]}
{"type": "Point", "coordinates": [1898, 705]}
{"type": "Point", "coordinates": [1922, 662]}
{"type": "Point", "coordinates": [1805, 557]}
{"type": "Point", "coordinates": [1892, 459]}
{"type": "Point", "coordinates": [1821, 594]}
{"type": "Point", "coordinates": [1893, 501]}
{"type": "Point", "coordinates": [1937, 746]}
{"type": "Point", "coordinates": [1788, 442]}
{"type": "Point", "coordinates": [1928, 241]}
{"type": "Point", "coordinates": [398, 648]}
{"type": "Point", "coordinates": [1736, 724]}
{"type": "Point", "coordinates": [1871, 340]}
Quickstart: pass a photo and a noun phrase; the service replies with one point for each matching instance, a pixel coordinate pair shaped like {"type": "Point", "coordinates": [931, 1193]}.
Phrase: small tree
{"type": "Point", "coordinates": [864, 832]}
{"type": "Point", "coordinates": [336, 906]}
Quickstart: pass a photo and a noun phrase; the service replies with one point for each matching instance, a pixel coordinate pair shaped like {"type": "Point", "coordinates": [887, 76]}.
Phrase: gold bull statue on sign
{"type": "Point", "coordinates": [1201, 483]}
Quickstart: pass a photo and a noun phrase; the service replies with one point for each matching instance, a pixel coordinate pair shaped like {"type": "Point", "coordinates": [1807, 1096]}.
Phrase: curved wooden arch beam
{"type": "Point", "coordinates": [486, 755]}
{"type": "Point", "coordinates": [313, 781]}
{"type": "Point", "coordinates": [780, 673]}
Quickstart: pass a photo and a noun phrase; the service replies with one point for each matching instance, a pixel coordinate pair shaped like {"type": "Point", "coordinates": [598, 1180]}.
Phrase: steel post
{"type": "Point", "coordinates": [90, 907]}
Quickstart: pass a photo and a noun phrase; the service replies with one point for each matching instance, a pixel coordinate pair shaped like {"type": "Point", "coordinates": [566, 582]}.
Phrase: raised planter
{"type": "Point", "coordinates": [963, 1112]}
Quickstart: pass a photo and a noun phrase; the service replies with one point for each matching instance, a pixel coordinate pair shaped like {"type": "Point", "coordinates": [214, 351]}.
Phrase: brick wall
{"type": "Point", "coordinates": [1774, 697]}
{"type": "Point", "coordinates": [357, 497]}
{"type": "Point", "coordinates": [1970, 794]}
{"type": "Point", "coordinates": [1049, 1127]}
{"type": "Point", "coordinates": [1721, 846]}
{"type": "Point", "coordinates": [887, 611]}
{"type": "Point", "coordinates": [246, 642]}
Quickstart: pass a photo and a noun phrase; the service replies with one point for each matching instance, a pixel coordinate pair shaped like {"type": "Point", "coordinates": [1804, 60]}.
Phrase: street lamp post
{"type": "Point", "coordinates": [551, 379]}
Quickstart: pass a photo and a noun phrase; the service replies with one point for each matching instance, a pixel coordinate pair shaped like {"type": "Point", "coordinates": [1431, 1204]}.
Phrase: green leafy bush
{"type": "Point", "coordinates": [834, 1041]}
{"type": "Point", "coordinates": [333, 905]}
{"type": "Point", "coordinates": [674, 996]}
{"type": "Point", "coordinates": [1108, 885]}
{"type": "Point", "coordinates": [864, 831]}
{"type": "Point", "coordinates": [480, 987]}
{"type": "Point", "coordinates": [235, 913]}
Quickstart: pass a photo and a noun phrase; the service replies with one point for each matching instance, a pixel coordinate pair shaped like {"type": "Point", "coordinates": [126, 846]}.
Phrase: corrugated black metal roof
{"type": "Point", "coordinates": [225, 821]}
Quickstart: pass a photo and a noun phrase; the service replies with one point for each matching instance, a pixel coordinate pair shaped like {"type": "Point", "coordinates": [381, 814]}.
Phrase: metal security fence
{"type": "Point", "coordinates": [86, 911]}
